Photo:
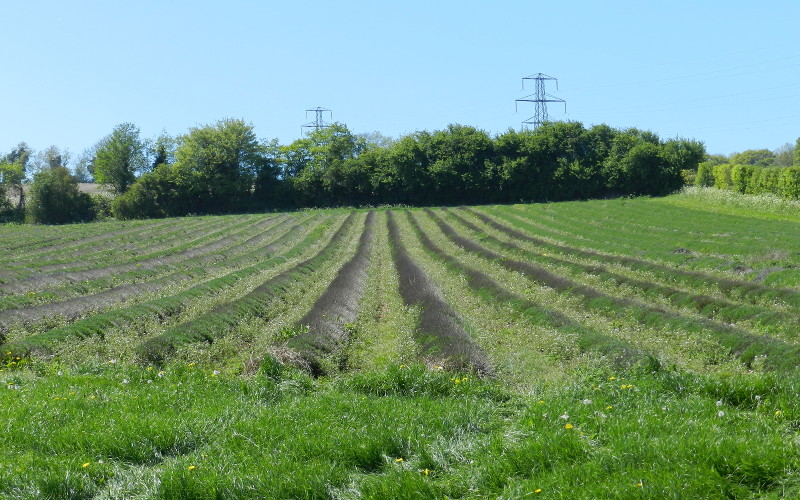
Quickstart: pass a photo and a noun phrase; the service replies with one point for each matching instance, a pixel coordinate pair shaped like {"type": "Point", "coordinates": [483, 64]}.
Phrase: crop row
{"type": "Point", "coordinates": [130, 270]}
{"type": "Point", "coordinates": [742, 344]}
{"type": "Point", "coordinates": [222, 318]}
{"type": "Point", "coordinates": [247, 253]}
{"type": "Point", "coordinates": [697, 238]}
{"type": "Point", "coordinates": [326, 323]}
{"type": "Point", "coordinates": [740, 290]}
{"type": "Point", "coordinates": [769, 320]}
{"type": "Point", "coordinates": [142, 241]}
{"type": "Point", "coordinates": [627, 308]}
{"type": "Point", "coordinates": [163, 308]}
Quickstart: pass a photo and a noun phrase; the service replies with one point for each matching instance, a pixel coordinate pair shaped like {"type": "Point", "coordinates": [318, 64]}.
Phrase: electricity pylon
{"type": "Point", "coordinates": [318, 123]}
{"type": "Point", "coordinates": [541, 98]}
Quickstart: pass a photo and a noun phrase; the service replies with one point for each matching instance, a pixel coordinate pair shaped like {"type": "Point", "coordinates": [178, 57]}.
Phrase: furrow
{"type": "Point", "coordinates": [770, 321]}
{"type": "Point", "coordinates": [189, 251]}
{"type": "Point", "coordinates": [161, 309]}
{"type": "Point", "coordinates": [326, 324]}
{"type": "Point", "coordinates": [439, 331]}
{"type": "Point", "coordinates": [74, 307]}
{"type": "Point", "coordinates": [618, 350]}
{"type": "Point", "coordinates": [741, 344]}
{"type": "Point", "coordinates": [226, 316]}
{"type": "Point", "coordinates": [736, 290]}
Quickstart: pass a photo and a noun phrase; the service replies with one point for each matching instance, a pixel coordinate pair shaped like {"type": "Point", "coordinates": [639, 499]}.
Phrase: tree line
{"type": "Point", "coordinates": [224, 168]}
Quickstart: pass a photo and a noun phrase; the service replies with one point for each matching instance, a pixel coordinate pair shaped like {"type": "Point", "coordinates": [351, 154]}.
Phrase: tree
{"type": "Point", "coordinates": [460, 156]}
{"type": "Point", "coordinates": [162, 150]}
{"type": "Point", "coordinates": [56, 199]}
{"type": "Point", "coordinates": [216, 166]}
{"type": "Point", "coordinates": [797, 153]}
{"type": "Point", "coordinates": [50, 158]}
{"type": "Point", "coordinates": [14, 170]}
{"type": "Point", "coordinates": [119, 158]}
{"type": "Point", "coordinates": [314, 166]}
{"type": "Point", "coordinates": [783, 156]}
{"type": "Point", "coordinates": [759, 157]}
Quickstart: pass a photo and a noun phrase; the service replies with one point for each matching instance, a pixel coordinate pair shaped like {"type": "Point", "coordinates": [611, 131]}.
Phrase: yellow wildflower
{"type": "Point", "coordinates": [398, 460]}
{"type": "Point", "coordinates": [537, 490]}
{"type": "Point", "coordinates": [85, 465]}
{"type": "Point", "coordinates": [569, 426]}
{"type": "Point", "coordinates": [192, 467]}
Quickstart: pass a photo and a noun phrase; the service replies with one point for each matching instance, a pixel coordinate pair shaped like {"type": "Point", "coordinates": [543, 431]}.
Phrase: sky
{"type": "Point", "coordinates": [726, 73]}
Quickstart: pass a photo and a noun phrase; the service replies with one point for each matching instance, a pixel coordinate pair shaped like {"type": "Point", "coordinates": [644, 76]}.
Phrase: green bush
{"type": "Point", "coordinates": [705, 175]}
{"type": "Point", "coordinates": [789, 183]}
{"type": "Point", "coordinates": [722, 176]}
{"type": "Point", "coordinates": [101, 206]}
{"type": "Point", "coordinates": [740, 177]}
{"type": "Point", "coordinates": [56, 199]}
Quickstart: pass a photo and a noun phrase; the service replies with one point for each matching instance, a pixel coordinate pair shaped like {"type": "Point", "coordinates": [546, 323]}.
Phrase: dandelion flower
{"type": "Point", "coordinates": [639, 485]}
{"type": "Point", "coordinates": [777, 412]}
{"type": "Point", "coordinates": [426, 472]}
{"type": "Point", "coordinates": [609, 407]}
{"type": "Point", "coordinates": [398, 460]}
{"type": "Point", "coordinates": [612, 378]}
{"type": "Point", "coordinates": [537, 490]}
{"type": "Point", "coordinates": [719, 402]}
{"type": "Point", "coordinates": [540, 402]}
{"type": "Point", "coordinates": [85, 465]}
{"type": "Point", "coordinates": [192, 467]}
{"type": "Point", "coordinates": [569, 426]}
{"type": "Point", "coordinates": [720, 413]}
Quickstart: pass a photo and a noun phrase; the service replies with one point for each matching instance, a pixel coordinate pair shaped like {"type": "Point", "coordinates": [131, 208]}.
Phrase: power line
{"type": "Point", "coordinates": [541, 98]}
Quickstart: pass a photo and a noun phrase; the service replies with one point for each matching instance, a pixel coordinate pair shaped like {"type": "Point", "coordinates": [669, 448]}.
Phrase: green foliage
{"type": "Point", "coordinates": [757, 157]}
{"type": "Point", "coordinates": [749, 179]}
{"type": "Point", "coordinates": [722, 176]}
{"type": "Point", "coordinates": [215, 171]}
{"type": "Point", "coordinates": [796, 153]}
{"type": "Point", "coordinates": [56, 199]}
{"type": "Point", "coordinates": [705, 175]}
{"type": "Point", "coordinates": [119, 158]}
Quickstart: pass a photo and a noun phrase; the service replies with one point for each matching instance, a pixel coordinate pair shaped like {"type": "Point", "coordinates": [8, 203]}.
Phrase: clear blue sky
{"type": "Point", "coordinates": [723, 72]}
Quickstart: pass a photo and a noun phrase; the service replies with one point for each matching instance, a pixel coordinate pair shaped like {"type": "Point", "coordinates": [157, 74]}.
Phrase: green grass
{"type": "Point", "coordinates": [616, 366]}
{"type": "Point", "coordinates": [189, 432]}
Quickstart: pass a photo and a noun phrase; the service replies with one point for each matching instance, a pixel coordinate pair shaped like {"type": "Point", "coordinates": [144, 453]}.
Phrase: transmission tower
{"type": "Point", "coordinates": [318, 123]}
{"type": "Point", "coordinates": [541, 98]}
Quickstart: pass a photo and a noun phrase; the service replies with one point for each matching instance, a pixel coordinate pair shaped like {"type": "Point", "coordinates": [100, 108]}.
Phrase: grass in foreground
{"type": "Point", "coordinates": [189, 431]}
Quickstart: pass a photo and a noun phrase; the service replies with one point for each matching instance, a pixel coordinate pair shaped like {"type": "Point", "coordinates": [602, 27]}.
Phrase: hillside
{"type": "Point", "coordinates": [642, 347]}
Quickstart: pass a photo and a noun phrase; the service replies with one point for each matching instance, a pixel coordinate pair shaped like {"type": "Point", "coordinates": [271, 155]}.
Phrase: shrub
{"type": "Point", "coordinates": [56, 199]}
{"type": "Point", "coordinates": [705, 175]}
{"type": "Point", "coordinates": [722, 176]}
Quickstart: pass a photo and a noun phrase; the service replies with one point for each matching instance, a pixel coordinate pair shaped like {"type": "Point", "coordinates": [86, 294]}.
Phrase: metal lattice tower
{"type": "Point", "coordinates": [541, 98]}
{"type": "Point", "coordinates": [318, 123]}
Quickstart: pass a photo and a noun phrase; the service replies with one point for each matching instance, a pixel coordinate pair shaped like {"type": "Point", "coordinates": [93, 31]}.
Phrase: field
{"type": "Point", "coordinates": [630, 348]}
